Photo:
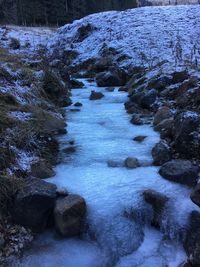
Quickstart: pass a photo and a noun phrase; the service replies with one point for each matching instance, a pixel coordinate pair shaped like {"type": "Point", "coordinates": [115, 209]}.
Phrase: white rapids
{"type": "Point", "coordinates": [119, 232]}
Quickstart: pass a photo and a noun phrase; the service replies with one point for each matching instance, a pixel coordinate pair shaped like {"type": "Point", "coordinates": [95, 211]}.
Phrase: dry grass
{"type": "Point", "coordinates": [7, 57]}
{"type": "Point", "coordinates": [8, 187]}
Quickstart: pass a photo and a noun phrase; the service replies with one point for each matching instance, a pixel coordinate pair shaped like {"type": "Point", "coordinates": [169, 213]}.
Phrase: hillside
{"type": "Point", "coordinates": [144, 36]}
{"type": "Point", "coordinates": [168, 2]}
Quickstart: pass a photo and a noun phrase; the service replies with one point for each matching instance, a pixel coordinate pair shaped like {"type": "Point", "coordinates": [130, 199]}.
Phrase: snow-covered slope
{"type": "Point", "coordinates": [29, 37]}
{"type": "Point", "coordinates": [148, 34]}
{"type": "Point", "coordinates": [169, 2]}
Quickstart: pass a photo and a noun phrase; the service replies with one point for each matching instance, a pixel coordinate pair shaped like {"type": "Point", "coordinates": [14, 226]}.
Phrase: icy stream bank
{"type": "Point", "coordinates": [118, 217]}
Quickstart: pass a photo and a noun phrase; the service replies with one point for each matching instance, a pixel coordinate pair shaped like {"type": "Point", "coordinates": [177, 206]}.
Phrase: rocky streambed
{"type": "Point", "coordinates": [134, 216]}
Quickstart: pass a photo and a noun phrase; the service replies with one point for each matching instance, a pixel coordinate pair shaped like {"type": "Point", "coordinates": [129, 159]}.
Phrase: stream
{"type": "Point", "coordinates": [119, 231]}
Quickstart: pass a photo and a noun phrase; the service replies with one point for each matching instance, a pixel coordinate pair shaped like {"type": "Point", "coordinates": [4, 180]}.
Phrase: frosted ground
{"type": "Point", "coordinates": [148, 34]}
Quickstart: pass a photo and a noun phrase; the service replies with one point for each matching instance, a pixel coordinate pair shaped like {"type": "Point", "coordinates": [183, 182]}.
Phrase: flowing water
{"type": "Point", "coordinates": [119, 232]}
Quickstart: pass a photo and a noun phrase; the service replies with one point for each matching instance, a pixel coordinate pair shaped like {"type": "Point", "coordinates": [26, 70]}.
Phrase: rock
{"type": "Point", "coordinates": [149, 98]}
{"type": "Point", "coordinates": [136, 120]}
{"type": "Point", "coordinates": [162, 114]}
{"type": "Point", "coordinates": [110, 89]}
{"type": "Point", "coordinates": [128, 104]}
{"type": "Point", "coordinates": [192, 241]}
{"type": "Point", "coordinates": [75, 110]}
{"type": "Point", "coordinates": [195, 195]}
{"type": "Point", "coordinates": [136, 97]}
{"type": "Point", "coordinates": [161, 153]}
{"type": "Point", "coordinates": [69, 150]}
{"type": "Point", "coordinates": [69, 215]}
{"type": "Point", "coordinates": [76, 84]}
{"type": "Point", "coordinates": [189, 99]}
{"type": "Point", "coordinates": [62, 192]}
{"type": "Point", "coordinates": [135, 109]}
{"type": "Point", "coordinates": [107, 52]}
{"type": "Point", "coordinates": [96, 95]}
{"type": "Point", "coordinates": [112, 77]}
{"type": "Point", "coordinates": [180, 171]}
{"type": "Point", "coordinates": [132, 163]}
{"type": "Point", "coordinates": [42, 170]}
{"type": "Point", "coordinates": [186, 86]}
{"type": "Point", "coordinates": [139, 138]}
{"type": "Point", "coordinates": [103, 64]}
{"type": "Point", "coordinates": [179, 76]}
{"type": "Point", "coordinates": [113, 164]}
{"type": "Point", "coordinates": [34, 204]}
{"type": "Point", "coordinates": [158, 202]}
{"type": "Point", "coordinates": [159, 83]}
{"type": "Point", "coordinates": [83, 32]}
{"type": "Point", "coordinates": [72, 142]}
{"type": "Point", "coordinates": [78, 104]}
{"type": "Point", "coordinates": [187, 134]}
{"type": "Point", "coordinates": [165, 128]}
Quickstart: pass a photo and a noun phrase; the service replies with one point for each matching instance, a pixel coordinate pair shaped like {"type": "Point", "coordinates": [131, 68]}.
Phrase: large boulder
{"type": "Point", "coordinates": [161, 153]}
{"type": "Point", "coordinates": [69, 215]}
{"type": "Point", "coordinates": [158, 202]}
{"type": "Point", "coordinates": [34, 204]}
{"type": "Point", "coordinates": [180, 171]}
{"type": "Point", "coordinates": [112, 77]}
{"type": "Point", "coordinates": [162, 114]}
{"type": "Point", "coordinates": [187, 134]}
{"type": "Point", "coordinates": [192, 241]}
{"type": "Point", "coordinates": [195, 195]}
